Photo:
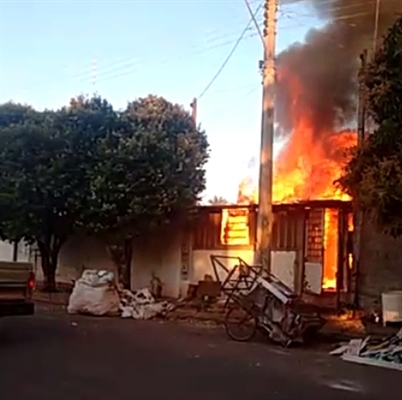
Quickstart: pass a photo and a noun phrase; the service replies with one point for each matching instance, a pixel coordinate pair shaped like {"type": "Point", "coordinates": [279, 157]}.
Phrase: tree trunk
{"type": "Point", "coordinates": [15, 250]}
{"type": "Point", "coordinates": [48, 272]}
{"type": "Point", "coordinates": [49, 253]}
{"type": "Point", "coordinates": [128, 253]}
{"type": "Point", "coordinates": [122, 255]}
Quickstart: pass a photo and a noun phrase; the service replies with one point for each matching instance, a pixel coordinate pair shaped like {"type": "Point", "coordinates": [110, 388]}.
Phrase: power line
{"type": "Point", "coordinates": [120, 66]}
{"type": "Point", "coordinates": [213, 36]}
{"type": "Point", "coordinates": [252, 15]}
{"type": "Point", "coordinates": [132, 70]}
{"type": "Point", "coordinates": [326, 13]}
{"type": "Point", "coordinates": [230, 54]}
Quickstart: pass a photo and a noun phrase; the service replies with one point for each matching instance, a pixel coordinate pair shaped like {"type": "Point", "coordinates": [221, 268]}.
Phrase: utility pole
{"type": "Point", "coordinates": [265, 215]}
{"type": "Point", "coordinates": [376, 22]}
{"type": "Point", "coordinates": [361, 119]}
{"type": "Point", "coordinates": [193, 106]}
{"type": "Point", "coordinates": [358, 214]}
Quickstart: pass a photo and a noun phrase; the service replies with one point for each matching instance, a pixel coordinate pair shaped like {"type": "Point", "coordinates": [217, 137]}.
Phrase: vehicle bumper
{"type": "Point", "coordinates": [15, 308]}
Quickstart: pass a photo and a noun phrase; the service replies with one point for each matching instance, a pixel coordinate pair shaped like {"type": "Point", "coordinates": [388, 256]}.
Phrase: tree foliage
{"type": "Point", "coordinates": [218, 200]}
{"type": "Point", "coordinates": [374, 174]}
{"type": "Point", "coordinates": [88, 168]}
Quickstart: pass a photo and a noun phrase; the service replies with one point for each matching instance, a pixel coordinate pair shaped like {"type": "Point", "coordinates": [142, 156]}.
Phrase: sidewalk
{"type": "Point", "coordinates": [336, 329]}
{"type": "Point", "coordinates": [58, 298]}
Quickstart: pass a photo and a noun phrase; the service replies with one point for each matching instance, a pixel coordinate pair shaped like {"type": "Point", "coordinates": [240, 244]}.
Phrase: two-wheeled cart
{"type": "Point", "coordinates": [257, 300]}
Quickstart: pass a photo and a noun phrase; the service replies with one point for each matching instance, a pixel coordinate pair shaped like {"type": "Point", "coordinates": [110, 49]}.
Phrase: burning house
{"type": "Point", "coordinates": [311, 232]}
{"type": "Point", "coordinates": [315, 103]}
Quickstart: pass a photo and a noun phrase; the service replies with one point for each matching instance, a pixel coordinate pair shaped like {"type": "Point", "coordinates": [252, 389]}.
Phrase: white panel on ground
{"type": "Point", "coordinates": [283, 267]}
{"type": "Point", "coordinates": [313, 277]}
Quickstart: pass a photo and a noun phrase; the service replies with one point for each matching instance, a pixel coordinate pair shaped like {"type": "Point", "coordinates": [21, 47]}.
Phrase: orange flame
{"type": "Point", "coordinates": [306, 169]}
{"type": "Point", "coordinates": [330, 246]}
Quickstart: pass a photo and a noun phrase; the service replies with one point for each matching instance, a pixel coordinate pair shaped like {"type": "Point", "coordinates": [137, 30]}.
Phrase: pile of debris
{"type": "Point", "coordinates": [386, 353]}
{"type": "Point", "coordinates": [97, 293]}
{"type": "Point", "coordinates": [141, 304]}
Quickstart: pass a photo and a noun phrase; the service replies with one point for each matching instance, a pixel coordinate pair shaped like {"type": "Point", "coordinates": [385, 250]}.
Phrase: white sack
{"type": "Point", "coordinates": [94, 293]}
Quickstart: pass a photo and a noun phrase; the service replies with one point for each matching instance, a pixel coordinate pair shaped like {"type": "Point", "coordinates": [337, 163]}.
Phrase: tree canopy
{"type": "Point", "coordinates": [88, 168]}
{"type": "Point", "coordinates": [374, 174]}
{"type": "Point", "coordinates": [218, 200]}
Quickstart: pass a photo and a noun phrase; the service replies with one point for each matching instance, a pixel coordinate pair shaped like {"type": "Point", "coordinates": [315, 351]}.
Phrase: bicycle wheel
{"type": "Point", "coordinates": [240, 325]}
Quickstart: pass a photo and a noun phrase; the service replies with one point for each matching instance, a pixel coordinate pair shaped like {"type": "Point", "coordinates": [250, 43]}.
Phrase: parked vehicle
{"type": "Point", "coordinates": [17, 281]}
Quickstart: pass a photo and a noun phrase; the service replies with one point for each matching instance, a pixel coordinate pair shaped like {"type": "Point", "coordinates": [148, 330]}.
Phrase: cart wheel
{"type": "Point", "coordinates": [240, 324]}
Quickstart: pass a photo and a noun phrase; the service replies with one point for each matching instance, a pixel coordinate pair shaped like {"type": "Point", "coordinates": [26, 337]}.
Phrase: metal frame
{"type": "Point", "coordinates": [245, 284]}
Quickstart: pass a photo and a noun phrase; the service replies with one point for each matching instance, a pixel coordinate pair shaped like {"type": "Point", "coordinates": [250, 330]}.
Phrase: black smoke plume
{"type": "Point", "coordinates": [326, 63]}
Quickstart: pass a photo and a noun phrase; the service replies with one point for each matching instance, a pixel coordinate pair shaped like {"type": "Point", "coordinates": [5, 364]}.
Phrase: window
{"type": "Point", "coordinates": [224, 228]}
{"type": "Point", "coordinates": [235, 227]}
{"type": "Point", "coordinates": [284, 231]}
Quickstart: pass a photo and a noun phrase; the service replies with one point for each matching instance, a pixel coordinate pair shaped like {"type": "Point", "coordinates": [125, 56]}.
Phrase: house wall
{"type": "Point", "coordinates": [160, 255]}
{"type": "Point", "coordinates": [380, 268]}
{"type": "Point", "coordinates": [179, 257]}
{"type": "Point", "coordinates": [7, 251]}
{"type": "Point", "coordinates": [201, 262]}
{"type": "Point", "coordinates": [77, 254]}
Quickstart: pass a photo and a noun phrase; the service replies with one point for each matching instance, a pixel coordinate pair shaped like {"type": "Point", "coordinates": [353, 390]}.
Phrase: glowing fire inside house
{"type": "Point", "coordinates": [305, 170]}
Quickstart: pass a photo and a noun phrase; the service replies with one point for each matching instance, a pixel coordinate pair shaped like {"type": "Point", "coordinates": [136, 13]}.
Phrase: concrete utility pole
{"type": "Point", "coordinates": [358, 214]}
{"type": "Point", "coordinates": [265, 216]}
{"type": "Point", "coordinates": [361, 118]}
{"type": "Point", "coordinates": [193, 106]}
{"type": "Point", "coordinates": [376, 22]}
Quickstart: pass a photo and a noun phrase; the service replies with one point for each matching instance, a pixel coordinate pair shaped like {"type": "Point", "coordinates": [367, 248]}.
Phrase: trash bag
{"type": "Point", "coordinates": [94, 293]}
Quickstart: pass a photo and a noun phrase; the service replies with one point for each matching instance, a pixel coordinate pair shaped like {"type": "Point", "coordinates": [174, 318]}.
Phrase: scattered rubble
{"type": "Point", "coordinates": [386, 353]}
{"type": "Point", "coordinates": [96, 293]}
{"type": "Point", "coordinates": [141, 304]}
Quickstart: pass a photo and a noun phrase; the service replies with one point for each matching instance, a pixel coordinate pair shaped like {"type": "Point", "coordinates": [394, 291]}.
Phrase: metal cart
{"type": "Point", "coordinates": [257, 300]}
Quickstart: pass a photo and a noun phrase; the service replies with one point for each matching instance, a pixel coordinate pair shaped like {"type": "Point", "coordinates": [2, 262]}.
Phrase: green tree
{"type": "Point", "coordinates": [374, 174]}
{"type": "Point", "coordinates": [44, 175]}
{"type": "Point", "coordinates": [87, 168]}
{"type": "Point", "coordinates": [218, 200]}
{"type": "Point", "coordinates": [150, 171]}
{"type": "Point", "coordinates": [14, 113]}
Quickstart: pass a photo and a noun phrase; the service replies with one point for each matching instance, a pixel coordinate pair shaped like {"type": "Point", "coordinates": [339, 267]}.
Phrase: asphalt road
{"type": "Point", "coordinates": [53, 356]}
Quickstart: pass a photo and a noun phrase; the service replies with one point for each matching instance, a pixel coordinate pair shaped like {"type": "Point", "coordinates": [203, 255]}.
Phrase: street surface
{"type": "Point", "coordinates": [53, 356]}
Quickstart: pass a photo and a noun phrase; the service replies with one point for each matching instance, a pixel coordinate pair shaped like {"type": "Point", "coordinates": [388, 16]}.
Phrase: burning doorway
{"type": "Point", "coordinates": [328, 229]}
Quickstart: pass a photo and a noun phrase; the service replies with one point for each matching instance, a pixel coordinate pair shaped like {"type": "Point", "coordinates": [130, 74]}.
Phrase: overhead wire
{"type": "Point", "coordinates": [122, 68]}
{"type": "Point", "coordinates": [132, 70]}
{"type": "Point", "coordinates": [212, 36]}
{"type": "Point", "coordinates": [229, 56]}
{"type": "Point", "coordinates": [114, 67]}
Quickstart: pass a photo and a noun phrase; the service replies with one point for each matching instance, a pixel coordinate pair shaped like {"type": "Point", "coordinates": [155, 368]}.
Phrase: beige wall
{"type": "Point", "coordinates": [283, 263]}
{"type": "Point", "coordinates": [77, 254]}
{"type": "Point", "coordinates": [161, 256]}
{"type": "Point", "coordinates": [7, 251]}
{"type": "Point", "coordinates": [380, 267]}
{"type": "Point", "coordinates": [201, 263]}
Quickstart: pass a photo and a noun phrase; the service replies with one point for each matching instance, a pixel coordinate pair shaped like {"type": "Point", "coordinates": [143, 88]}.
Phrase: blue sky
{"type": "Point", "coordinates": [164, 47]}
